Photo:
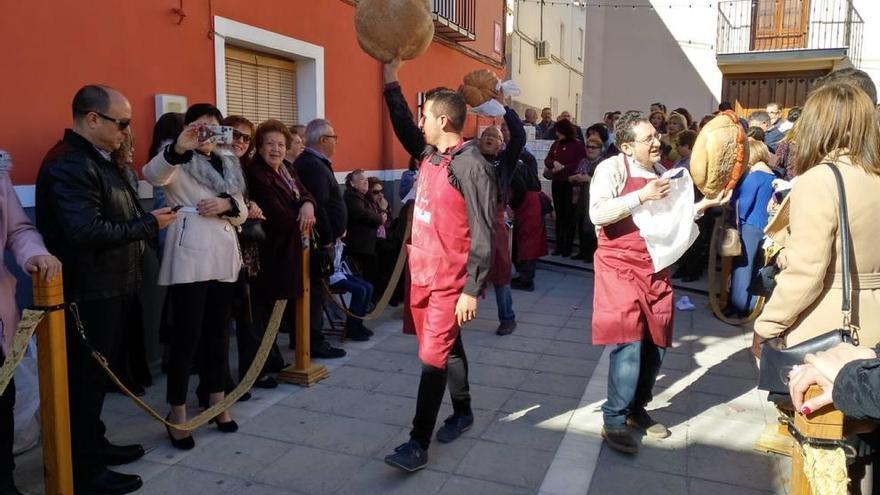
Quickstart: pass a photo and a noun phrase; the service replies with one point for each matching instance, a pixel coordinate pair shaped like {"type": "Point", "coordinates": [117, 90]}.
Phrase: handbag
{"type": "Point", "coordinates": [776, 359]}
{"type": "Point", "coordinates": [729, 241]}
{"type": "Point", "coordinates": [252, 230]}
{"type": "Point", "coordinates": [546, 204]}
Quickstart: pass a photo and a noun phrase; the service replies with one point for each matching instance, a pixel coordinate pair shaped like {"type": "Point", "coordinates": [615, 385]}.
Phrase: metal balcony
{"type": "Point", "coordinates": [455, 20]}
{"type": "Point", "coordinates": [809, 26]}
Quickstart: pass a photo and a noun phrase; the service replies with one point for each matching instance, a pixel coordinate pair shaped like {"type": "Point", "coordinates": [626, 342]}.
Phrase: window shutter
{"type": "Point", "coordinates": [260, 87]}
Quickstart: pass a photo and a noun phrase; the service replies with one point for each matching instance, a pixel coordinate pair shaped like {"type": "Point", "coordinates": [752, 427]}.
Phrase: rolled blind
{"type": "Point", "coordinates": [260, 87]}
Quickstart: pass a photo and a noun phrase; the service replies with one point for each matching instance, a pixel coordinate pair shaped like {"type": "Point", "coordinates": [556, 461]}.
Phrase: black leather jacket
{"type": "Point", "coordinates": [91, 220]}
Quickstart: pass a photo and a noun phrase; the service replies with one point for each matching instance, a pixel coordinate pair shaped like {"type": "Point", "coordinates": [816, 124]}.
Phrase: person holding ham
{"type": "Point", "coordinates": [632, 305]}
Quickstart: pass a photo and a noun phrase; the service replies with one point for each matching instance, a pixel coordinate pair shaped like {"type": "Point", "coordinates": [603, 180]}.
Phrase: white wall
{"type": "Point", "coordinates": [638, 56]}
{"type": "Point", "coordinates": [561, 80]}
{"type": "Point", "coordinates": [870, 12]}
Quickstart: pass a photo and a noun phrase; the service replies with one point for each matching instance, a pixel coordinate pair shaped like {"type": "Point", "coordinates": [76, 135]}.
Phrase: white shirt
{"type": "Point", "coordinates": [607, 206]}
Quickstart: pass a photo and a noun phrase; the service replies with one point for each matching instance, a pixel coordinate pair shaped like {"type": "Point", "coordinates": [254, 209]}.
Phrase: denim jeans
{"type": "Point", "coordinates": [744, 269]}
{"type": "Point", "coordinates": [361, 294]}
{"type": "Point", "coordinates": [504, 300]}
{"type": "Point", "coordinates": [632, 372]}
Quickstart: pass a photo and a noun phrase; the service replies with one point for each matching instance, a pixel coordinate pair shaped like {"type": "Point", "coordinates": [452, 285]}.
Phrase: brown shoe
{"type": "Point", "coordinates": [644, 422]}
{"type": "Point", "coordinates": [619, 439]}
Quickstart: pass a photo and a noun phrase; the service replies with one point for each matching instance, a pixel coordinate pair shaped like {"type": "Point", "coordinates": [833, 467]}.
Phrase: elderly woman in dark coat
{"type": "Point", "coordinates": [289, 210]}
{"type": "Point", "coordinates": [364, 218]}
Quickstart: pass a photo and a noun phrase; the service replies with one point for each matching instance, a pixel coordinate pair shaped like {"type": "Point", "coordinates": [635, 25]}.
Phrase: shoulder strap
{"type": "Point", "coordinates": [843, 228]}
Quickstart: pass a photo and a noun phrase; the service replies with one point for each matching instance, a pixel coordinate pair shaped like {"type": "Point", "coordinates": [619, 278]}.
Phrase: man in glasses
{"type": "Point", "coordinates": [92, 220]}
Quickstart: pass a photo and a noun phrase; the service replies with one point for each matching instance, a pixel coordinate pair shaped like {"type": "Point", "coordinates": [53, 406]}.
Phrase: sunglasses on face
{"type": "Point", "coordinates": [593, 147]}
{"type": "Point", "coordinates": [121, 124]}
{"type": "Point", "coordinates": [237, 135]}
{"type": "Point", "coordinates": [378, 191]}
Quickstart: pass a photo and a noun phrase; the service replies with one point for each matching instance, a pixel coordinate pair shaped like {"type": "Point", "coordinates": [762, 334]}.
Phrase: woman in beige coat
{"type": "Point", "coordinates": [839, 126]}
{"type": "Point", "coordinates": [201, 260]}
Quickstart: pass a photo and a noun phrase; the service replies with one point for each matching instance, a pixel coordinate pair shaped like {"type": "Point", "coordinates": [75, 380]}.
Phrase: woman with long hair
{"type": "Point", "coordinates": [675, 124]}
{"type": "Point", "coordinates": [561, 163]}
{"type": "Point", "coordinates": [584, 228]}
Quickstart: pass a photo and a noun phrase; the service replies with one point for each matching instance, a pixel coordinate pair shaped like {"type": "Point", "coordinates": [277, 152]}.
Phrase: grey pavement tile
{"type": "Point", "coordinates": [703, 487]}
{"type": "Point", "coordinates": [535, 331]}
{"type": "Point", "coordinates": [501, 357]}
{"type": "Point", "coordinates": [251, 488]}
{"type": "Point", "coordinates": [376, 478]}
{"type": "Point", "coordinates": [668, 455]}
{"type": "Point", "coordinates": [522, 466]}
{"type": "Point", "coordinates": [357, 378]}
{"type": "Point", "coordinates": [393, 362]}
{"type": "Point", "coordinates": [579, 335]}
{"type": "Point", "coordinates": [286, 424]}
{"type": "Point", "coordinates": [679, 362]}
{"type": "Point", "coordinates": [614, 479]}
{"type": "Point", "coordinates": [486, 397]}
{"type": "Point", "coordinates": [522, 344]}
{"type": "Point", "coordinates": [496, 376]}
{"type": "Point", "coordinates": [400, 384]}
{"type": "Point", "coordinates": [564, 365]}
{"type": "Point", "coordinates": [569, 349]}
{"type": "Point", "coordinates": [723, 385]}
{"type": "Point", "coordinates": [542, 318]}
{"type": "Point", "coordinates": [351, 436]}
{"type": "Point", "coordinates": [555, 384]}
{"type": "Point", "coordinates": [737, 369]}
{"type": "Point", "coordinates": [326, 398]}
{"type": "Point", "coordinates": [238, 454]}
{"type": "Point", "coordinates": [459, 485]}
{"type": "Point", "coordinates": [486, 321]}
{"type": "Point", "coordinates": [715, 463]}
{"type": "Point", "coordinates": [177, 479]}
{"type": "Point", "coordinates": [482, 420]}
{"type": "Point", "coordinates": [534, 407]}
{"type": "Point", "coordinates": [745, 408]}
{"type": "Point", "coordinates": [386, 409]}
{"type": "Point", "coordinates": [312, 471]}
{"type": "Point", "coordinates": [405, 344]}
{"type": "Point", "coordinates": [523, 433]}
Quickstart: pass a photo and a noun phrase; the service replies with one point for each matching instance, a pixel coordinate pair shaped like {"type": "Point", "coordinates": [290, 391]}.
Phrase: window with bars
{"type": "Point", "coordinates": [260, 86]}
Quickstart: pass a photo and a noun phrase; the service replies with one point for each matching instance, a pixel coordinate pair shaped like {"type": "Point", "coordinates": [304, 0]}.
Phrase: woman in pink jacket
{"type": "Point", "coordinates": [18, 235]}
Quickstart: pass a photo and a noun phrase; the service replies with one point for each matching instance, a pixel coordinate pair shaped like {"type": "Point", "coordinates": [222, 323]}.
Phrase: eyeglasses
{"type": "Point", "coordinates": [122, 124]}
{"type": "Point", "coordinates": [332, 136]}
{"type": "Point", "coordinates": [649, 140]}
{"type": "Point", "coordinates": [593, 147]}
{"type": "Point", "coordinates": [236, 136]}
{"type": "Point", "coordinates": [378, 191]}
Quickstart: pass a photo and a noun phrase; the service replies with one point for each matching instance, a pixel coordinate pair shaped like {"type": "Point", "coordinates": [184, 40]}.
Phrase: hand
{"type": "Point", "coordinates": [654, 190]}
{"type": "Point", "coordinates": [822, 369]}
{"type": "Point", "coordinates": [391, 69]}
{"type": "Point", "coordinates": [213, 207]}
{"type": "Point", "coordinates": [164, 216]}
{"type": "Point", "coordinates": [188, 140]}
{"type": "Point", "coordinates": [254, 212]}
{"type": "Point", "coordinates": [465, 309]}
{"type": "Point", "coordinates": [722, 199]}
{"type": "Point", "coordinates": [306, 217]}
{"type": "Point", "coordinates": [800, 380]}
{"type": "Point", "coordinates": [45, 264]}
{"type": "Point", "coordinates": [782, 260]}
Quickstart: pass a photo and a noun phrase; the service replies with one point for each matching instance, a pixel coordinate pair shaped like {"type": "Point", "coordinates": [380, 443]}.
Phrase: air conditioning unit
{"type": "Point", "coordinates": [542, 52]}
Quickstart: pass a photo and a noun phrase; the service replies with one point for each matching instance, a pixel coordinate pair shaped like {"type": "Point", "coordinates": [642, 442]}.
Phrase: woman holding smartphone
{"type": "Point", "coordinates": [201, 259]}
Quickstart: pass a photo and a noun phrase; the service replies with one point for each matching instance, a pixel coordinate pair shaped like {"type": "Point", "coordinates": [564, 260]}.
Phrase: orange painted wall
{"type": "Point", "coordinates": [51, 48]}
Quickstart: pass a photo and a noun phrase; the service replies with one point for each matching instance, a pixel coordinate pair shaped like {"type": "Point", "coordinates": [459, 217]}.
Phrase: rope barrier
{"type": "Point", "coordinates": [715, 286]}
{"type": "Point", "coordinates": [26, 327]}
{"type": "Point", "coordinates": [208, 414]}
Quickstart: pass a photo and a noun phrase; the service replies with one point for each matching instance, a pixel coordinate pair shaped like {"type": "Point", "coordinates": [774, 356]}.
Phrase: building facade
{"type": "Point", "coordinates": [697, 54]}
{"type": "Point", "coordinates": [546, 44]}
{"type": "Point", "coordinates": [289, 59]}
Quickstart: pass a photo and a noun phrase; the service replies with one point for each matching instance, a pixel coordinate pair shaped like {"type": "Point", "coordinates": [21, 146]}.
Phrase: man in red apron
{"type": "Point", "coordinates": [632, 305]}
{"type": "Point", "coordinates": [450, 254]}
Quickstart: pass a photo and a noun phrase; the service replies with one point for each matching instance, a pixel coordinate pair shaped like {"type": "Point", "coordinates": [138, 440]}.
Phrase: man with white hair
{"type": "Point", "coordinates": [315, 170]}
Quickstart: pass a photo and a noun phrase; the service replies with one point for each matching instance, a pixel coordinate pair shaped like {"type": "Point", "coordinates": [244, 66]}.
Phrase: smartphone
{"type": "Point", "coordinates": [175, 209]}
{"type": "Point", "coordinates": [218, 134]}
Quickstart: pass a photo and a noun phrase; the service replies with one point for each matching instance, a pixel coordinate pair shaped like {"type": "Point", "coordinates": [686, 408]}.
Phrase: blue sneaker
{"type": "Point", "coordinates": [409, 457]}
{"type": "Point", "coordinates": [454, 426]}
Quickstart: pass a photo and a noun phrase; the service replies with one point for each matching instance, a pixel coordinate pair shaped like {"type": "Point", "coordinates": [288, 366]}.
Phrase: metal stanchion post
{"type": "Point", "coordinates": [54, 409]}
{"type": "Point", "coordinates": [303, 371]}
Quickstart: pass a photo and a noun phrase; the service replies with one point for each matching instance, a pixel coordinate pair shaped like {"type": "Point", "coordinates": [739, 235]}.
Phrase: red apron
{"type": "Point", "coordinates": [630, 301]}
{"type": "Point", "coordinates": [501, 271]}
{"type": "Point", "coordinates": [528, 228]}
{"type": "Point", "coordinates": [438, 254]}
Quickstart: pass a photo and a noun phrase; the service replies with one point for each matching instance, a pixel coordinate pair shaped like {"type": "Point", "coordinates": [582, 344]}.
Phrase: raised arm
{"type": "Point", "coordinates": [408, 133]}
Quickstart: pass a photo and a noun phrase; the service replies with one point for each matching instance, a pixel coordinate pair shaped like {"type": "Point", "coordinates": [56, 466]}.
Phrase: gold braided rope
{"type": "Point", "coordinates": [825, 470]}
{"type": "Point", "coordinates": [231, 398]}
{"type": "Point", "coordinates": [715, 285]}
{"type": "Point", "coordinates": [30, 319]}
{"type": "Point", "coordinates": [389, 289]}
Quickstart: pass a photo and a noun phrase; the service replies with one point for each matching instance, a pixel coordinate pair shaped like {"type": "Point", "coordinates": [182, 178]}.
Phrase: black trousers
{"type": "Point", "coordinates": [586, 231]}
{"type": "Point", "coordinates": [7, 427]}
{"type": "Point", "coordinates": [316, 309]}
{"type": "Point", "coordinates": [565, 217]}
{"type": "Point", "coordinates": [526, 270]}
{"type": "Point", "coordinates": [202, 310]}
{"type": "Point", "coordinates": [431, 389]}
{"type": "Point", "coordinates": [103, 321]}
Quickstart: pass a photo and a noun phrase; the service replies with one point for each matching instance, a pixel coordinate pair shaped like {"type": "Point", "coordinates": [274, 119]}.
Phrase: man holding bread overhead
{"type": "Point", "coordinates": [632, 305]}
{"type": "Point", "coordinates": [449, 256]}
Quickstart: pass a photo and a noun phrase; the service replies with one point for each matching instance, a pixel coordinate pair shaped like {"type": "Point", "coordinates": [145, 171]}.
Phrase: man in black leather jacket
{"type": "Point", "coordinates": [91, 219]}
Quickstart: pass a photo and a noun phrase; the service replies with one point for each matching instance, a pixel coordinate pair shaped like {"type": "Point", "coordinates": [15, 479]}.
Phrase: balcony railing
{"type": "Point", "coordinates": [747, 26]}
{"type": "Point", "coordinates": [455, 20]}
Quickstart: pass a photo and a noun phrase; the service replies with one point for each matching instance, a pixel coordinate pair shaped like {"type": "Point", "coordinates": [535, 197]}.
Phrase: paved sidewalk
{"type": "Point", "coordinates": [535, 395]}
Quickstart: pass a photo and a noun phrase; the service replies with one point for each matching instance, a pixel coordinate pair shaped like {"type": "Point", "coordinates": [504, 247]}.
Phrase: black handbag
{"type": "Point", "coordinates": [776, 359]}
{"type": "Point", "coordinates": [764, 281]}
{"type": "Point", "coordinates": [252, 230]}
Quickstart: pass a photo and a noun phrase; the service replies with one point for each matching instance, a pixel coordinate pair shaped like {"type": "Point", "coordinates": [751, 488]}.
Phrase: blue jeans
{"type": "Point", "coordinates": [744, 269]}
{"type": "Point", "coordinates": [504, 300]}
{"type": "Point", "coordinates": [361, 294]}
{"type": "Point", "coordinates": [632, 372]}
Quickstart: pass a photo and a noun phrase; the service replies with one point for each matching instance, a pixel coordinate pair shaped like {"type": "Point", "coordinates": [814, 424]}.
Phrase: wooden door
{"type": "Point", "coordinates": [750, 92]}
{"type": "Point", "coordinates": [780, 24]}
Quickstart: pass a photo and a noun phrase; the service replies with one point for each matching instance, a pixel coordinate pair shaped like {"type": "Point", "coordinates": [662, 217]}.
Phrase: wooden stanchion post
{"type": "Point", "coordinates": [303, 371]}
{"type": "Point", "coordinates": [826, 423]}
{"type": "Point", "coordinates": [54, 408]}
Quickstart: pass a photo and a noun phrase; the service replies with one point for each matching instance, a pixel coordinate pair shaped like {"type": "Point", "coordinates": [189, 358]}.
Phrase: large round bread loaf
{"type": "Point", "coordinates": [478, 87]}
{"type": "Point", "coordinates": [387, 29]}
{"type": "Point", "coordinates": [720, 155]}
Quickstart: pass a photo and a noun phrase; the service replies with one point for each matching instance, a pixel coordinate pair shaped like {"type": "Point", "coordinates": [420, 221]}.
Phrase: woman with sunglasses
{"type": "Point", "coordinates": [580, 198]}
{"type": "Point", "coordinates": [202, 259]}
